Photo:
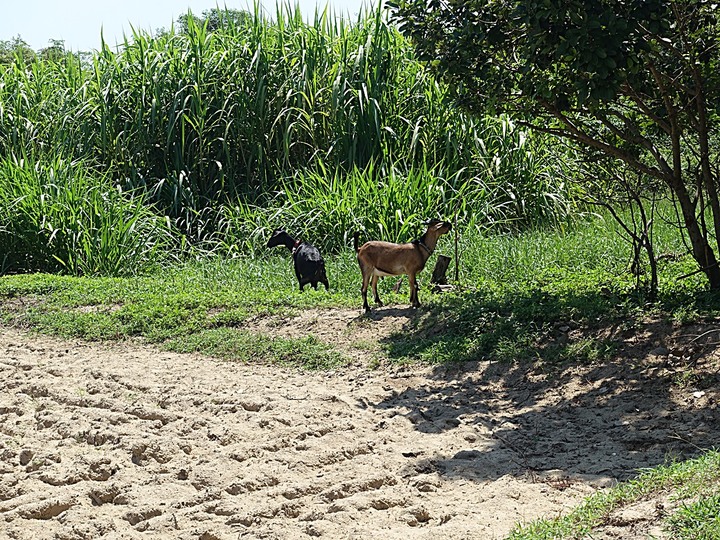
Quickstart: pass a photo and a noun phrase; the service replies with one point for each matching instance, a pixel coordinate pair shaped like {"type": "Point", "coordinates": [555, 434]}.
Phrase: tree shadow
{"type": "Point", "coordinates": [649, 398]}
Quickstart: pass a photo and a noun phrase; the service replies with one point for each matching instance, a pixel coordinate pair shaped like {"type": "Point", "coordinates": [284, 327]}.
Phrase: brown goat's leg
{"type": "Point", "coordinates": [375, 280]}
{"type": "Point", "coordinates": [364, 289]}
{"type": "Point", "coordinates": [414, 298]}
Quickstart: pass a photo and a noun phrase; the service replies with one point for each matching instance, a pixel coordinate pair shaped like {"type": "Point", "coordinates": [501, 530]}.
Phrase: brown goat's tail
{"type": "Point", "coordinates": [356, 237]}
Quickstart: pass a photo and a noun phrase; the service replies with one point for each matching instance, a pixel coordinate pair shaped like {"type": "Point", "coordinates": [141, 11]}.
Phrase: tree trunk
{"type": "Point", "coordinates": [701, 250]}
{"type": "Point", "coordinates": [441, 266]}
{"type": "Point", "coordinates": [703, 139]}
{"type": "Point", "coordinates": [653, 271]}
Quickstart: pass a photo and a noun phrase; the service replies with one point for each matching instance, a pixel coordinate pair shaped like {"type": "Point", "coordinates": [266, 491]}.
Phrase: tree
{"type": "Point", "coordinates": [55, 52]}
{"type": "Point", "coordinates": [15, 48]}
{"type": "Point", "coordinates": [636, 81]}
{"type": "Point", "coordinates": [215, 18]}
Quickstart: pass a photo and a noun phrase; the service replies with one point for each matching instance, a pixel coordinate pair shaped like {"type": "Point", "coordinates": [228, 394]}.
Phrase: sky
{"type": "Point", "coordinates": [79, 22]}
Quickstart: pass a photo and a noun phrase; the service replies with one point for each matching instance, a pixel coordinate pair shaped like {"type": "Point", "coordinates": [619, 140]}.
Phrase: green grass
{"type": "Point", "coordinates": [231, 343]}
{"type": "Point", "coordinates": [515, 291]}
{"type": "Point", "coordinates": [683, 480]}
{"type": "Point", "coordinates": [697, 520]}
{"type": "Point", "coordinates": [390, 202]}
{"type": "Point", "coordinates": [195, 307]}
{"type": "Point", "coordinates": [180, 300]}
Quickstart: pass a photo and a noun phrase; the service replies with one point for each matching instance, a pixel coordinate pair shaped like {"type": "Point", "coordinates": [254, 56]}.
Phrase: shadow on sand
{"type": "Point", "coordinates": [652, 401]}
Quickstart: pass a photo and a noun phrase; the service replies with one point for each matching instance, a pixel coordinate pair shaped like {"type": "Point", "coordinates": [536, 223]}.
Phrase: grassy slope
{"type": "Point", "coordinates": [692, 486]}
{"type": "Point", "coordinates": [512, 291]}
{"type": "Point", "coordinates": [196, 306]}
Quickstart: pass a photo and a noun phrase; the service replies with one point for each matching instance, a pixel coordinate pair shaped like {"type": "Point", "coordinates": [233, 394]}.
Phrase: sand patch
{"type": "Point", "coordinates": [124, 441]}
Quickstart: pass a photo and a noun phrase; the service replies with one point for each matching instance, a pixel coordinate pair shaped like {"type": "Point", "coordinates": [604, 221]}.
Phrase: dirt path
{"type": "Point", "coordinates": [121, 441]}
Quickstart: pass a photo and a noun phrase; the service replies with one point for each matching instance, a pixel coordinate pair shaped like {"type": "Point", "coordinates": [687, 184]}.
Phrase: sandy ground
{"type": "Point", "coordinates": [125, 441]}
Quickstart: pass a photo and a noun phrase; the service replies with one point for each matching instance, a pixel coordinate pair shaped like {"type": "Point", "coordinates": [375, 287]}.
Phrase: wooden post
{"type": "Point", "coordinates": [457, 256]}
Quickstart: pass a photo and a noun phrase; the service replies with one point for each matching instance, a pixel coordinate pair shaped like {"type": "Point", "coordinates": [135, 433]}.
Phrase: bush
{"type": "Point", "coordinates": [58, 217]}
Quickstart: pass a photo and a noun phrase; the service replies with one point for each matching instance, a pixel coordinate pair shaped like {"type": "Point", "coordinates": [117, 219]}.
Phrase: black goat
{"type": "Point", "coordinates": [309, 264]}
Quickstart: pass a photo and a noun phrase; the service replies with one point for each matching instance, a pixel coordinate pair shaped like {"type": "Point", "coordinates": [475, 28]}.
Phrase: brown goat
{"type": "Point", "coordinates": [378, 259]}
